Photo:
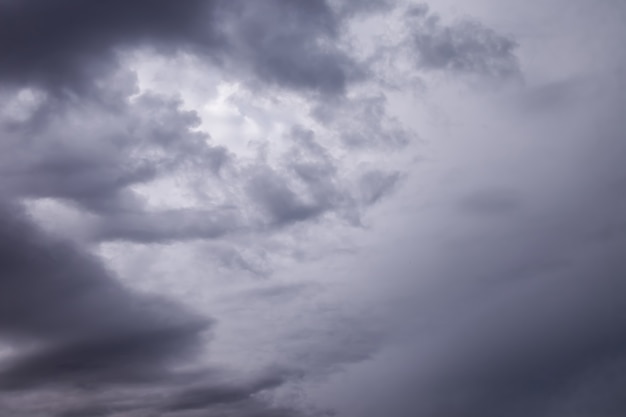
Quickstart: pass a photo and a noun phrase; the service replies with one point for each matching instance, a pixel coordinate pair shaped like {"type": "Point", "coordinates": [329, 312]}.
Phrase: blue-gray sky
{"type": "Point", "coordinates": [312, 208]}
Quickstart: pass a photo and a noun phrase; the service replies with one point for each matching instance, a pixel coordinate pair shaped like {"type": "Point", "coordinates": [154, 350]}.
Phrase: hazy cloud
{"type": "Point", "coordinates": [518, 308]}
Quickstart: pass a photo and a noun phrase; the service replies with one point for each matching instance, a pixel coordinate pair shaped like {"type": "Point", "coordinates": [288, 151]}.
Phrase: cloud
{"type": "Point", "coordinates": [347, 8]}
{"type": "Point", "coordinates": [279, 41]}
{"type": "Point", "coordinates": [200, 398]}
{"type": "Point", "coordinates": [510, 298]}
{"type": "Point", "coordinates": [133, 165]}
{"type": "Point", "coordinates": [166, 225]}
{"type": "Point", "coordinates": [81, 320]}
{"type": "Point", "coordinates": [363, 122]}
{"type": "Point", "coordinates": [374, 185]}
{"type": "Point", "coordinates": [290, 44]}
{"type": "Point", "coordinates": [462, 47]}
{"type": "Point", "coordinates": [74, 37]}
{"type": "Point", "coordinates": [93, 156]}
{"type": "Point", "coordinates": [196, 396]}
{"type": "Point", "coordinates": [108, 159]}
{"type": "Point", "coordinates": [490, 202]}
{"type": "Point", "coordinates": [80, 131]}
{"type": "Point", "coordinates": [306, 166]}
{"type": "Point", "coordinates": [73, 326]}
{"type": "Point", "coordinates": [465, 47]}
{"type": "Point", "coordinates": [92, 153]}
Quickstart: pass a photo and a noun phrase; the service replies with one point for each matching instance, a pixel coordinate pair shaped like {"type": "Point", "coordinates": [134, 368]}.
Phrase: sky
{"type": "Point", "coordinates": [312, 208]}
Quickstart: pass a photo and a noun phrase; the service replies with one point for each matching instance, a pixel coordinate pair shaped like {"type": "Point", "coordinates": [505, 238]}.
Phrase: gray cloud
{"type": "Point", "coordinates": [80, 319]}
{"type": "Point", "coordinates": [520, 311]}
{"type": "Point", "coordinates": [200, 398]}
{"type": "Point", "coordinates": [308, 184]}
{"type": "Point", "coordinates": [531, 339]}
{"type": "Point", "coordinates": [290, 43]}
{"type": "Point", "coordinates": [166, 225]}
{"type": "Point", "coordinates": [280, 202]}
{"type": "Point", "coordinates": [75, 327]}
{"type": "Point", "coordinates": [193, 396]}
{"type": "Point", "coordinates": [490, 202]}
{"type": "Point", "coordinates": [91, 153]}
{"type": "Point", "coordinates": [73, 38]}
{"type": "Point", "coordinates": [92, 149]}
{"type": "Point", "coordinates": [347, 8]}
{"type": "Point", "coordinates": [363, 122]}
{"type": "Point", "coordinates": [306, 164]}
{"type": "Point", "coordinates": [374, 185]}
{"type": "Point", "coordinates": [462, 47]}
{"type": "Point", "coordinates": [81, 132]}
{"type": "Point", "coordinates": [77, 129]}
{"type": "Point", "coordinates": [278, 40]}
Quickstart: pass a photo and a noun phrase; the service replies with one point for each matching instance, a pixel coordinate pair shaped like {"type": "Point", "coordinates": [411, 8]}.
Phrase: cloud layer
{"type": "Point", "coordinates": [499, 293]}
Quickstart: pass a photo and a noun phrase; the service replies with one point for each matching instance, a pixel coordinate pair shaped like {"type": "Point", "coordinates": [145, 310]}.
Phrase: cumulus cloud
{"type": "Point", "coordinates": [91, 153]}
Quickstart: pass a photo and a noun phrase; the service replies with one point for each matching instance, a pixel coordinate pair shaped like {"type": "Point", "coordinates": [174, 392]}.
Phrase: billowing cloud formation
{"type": "Point", "coordinates": [94, 155]}
{"type": "Point", "coordinates": [77, 130]}
{"type": "Point", "coordinates": [57, 43]}
{"type": "Point", "coordinates": [64, 43]}
{"type": "Point", "coordinates": [83, 131]}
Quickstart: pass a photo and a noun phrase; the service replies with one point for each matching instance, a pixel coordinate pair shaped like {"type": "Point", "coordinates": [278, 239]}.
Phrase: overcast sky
{"type": "Point", "coordinates": [307, 208]}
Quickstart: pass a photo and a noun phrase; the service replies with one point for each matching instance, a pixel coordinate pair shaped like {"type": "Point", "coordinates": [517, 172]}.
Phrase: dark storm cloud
{"type": "Point", "coordinates": [202, 397]}
{"type": "Point", "coordinates": [542, 340]}
{"type": "Point", "coordinates": [193, 395]}
{"type": "Point", "coordinates": [132, 357]}
{"type": "Point", "coordinates": [83, 323]}
{"type": "Point", "coordinates": [64, 43]}
{"type": "Point", "coordinates": [525, 321]}
{"type": "Point", "coordinates": [59, 42]}
{"type": "Point", "coordinates": [461, 47]}
{"type": "Point", "coordinates": [74, 326]}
